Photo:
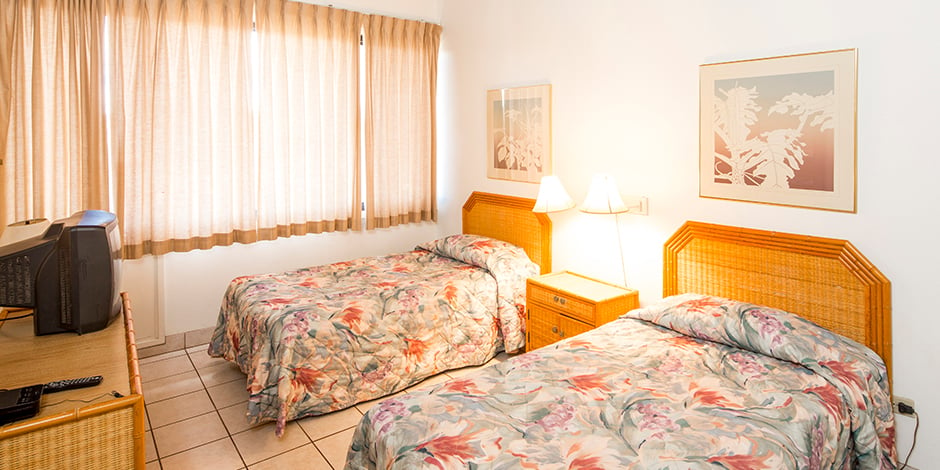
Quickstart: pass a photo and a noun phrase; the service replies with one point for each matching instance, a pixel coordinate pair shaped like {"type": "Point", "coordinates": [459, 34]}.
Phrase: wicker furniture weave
{"type": "Point", "coordinates": [825, 280]}
{"type": "Point", "coordinates": [563, 304]}
{"type": "Point", "coordinates": [107, 432]}
{"type": "Point", "coordinates": [510, 218]}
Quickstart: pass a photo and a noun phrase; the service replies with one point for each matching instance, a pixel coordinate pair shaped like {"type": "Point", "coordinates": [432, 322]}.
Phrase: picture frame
{"type": "Point", "coordinates": [519, 133]}
{"type": "Point", "coordinates": [780, 130]}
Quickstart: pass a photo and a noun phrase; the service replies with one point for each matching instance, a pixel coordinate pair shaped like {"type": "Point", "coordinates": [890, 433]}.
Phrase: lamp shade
{"type": "Point", "coordinates": [552, 196]}
{"type": "Point", "coordinates": [603, 197]}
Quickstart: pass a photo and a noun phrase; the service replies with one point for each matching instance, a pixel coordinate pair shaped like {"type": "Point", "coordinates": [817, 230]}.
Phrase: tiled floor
{"type": "Point", "coordinates": [196, 419]}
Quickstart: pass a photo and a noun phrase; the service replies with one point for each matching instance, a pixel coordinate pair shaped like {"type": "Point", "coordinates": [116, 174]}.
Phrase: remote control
{"type": "Point", "coordinates": [60, 385]}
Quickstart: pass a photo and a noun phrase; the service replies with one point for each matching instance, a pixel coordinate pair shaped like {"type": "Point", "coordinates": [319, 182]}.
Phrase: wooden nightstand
{"type": "Point", "coordinates": [563, 304]}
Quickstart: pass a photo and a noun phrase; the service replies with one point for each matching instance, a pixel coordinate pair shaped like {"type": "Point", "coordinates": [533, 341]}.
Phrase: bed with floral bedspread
{"type": "Point", "coordinates": [324, 338]}
{"type": "Point", "coordinates": [692, 382]}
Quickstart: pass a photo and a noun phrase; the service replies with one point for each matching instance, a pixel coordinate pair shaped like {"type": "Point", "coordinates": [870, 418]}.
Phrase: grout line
{"type": "Point", "coordinates": [192, 448]}
{"type": "Point", "coordinates": [309, 442]}
{"type": "Point", "coordinates": [316, 447]}
{"type": "Point", "coordinates": [153, 439]}
{"type": "Point", "coordinates": [215, 408]}
{"type": "Point", "coordinates": [179, 395]}
{"type": "Point", "coordinates": [184, 419]}
{"type": "Point", "coordinates": [228, 432]}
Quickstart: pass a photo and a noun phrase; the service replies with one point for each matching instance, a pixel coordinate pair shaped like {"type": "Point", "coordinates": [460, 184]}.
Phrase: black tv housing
{"type": "Point", "coordinates": [69, 275]}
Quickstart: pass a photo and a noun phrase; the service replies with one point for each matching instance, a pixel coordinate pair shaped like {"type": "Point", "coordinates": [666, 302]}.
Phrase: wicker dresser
{"type": "Point", "coordinates": [83, 428]}
{"type": "Point", "coordinates": [563, 304]}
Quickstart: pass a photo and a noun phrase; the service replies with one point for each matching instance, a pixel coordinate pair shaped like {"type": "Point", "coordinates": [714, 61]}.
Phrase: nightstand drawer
{"type": "Point", "coordinates": [561, 302]}
{"type": "Point", "coordinates": [539, 328]}
{"type": "Point", "coordinates": [546, 327]}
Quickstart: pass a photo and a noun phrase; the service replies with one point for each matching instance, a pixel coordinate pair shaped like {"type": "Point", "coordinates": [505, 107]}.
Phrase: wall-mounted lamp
{"type": "Point", "coordinates": [552, 196]}
{"type": "Point", "coordinates": [604, 198]}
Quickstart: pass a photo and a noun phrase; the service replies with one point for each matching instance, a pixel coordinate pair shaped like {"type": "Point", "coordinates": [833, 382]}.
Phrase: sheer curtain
{"type": "Point", "coordinates": [52, 115]}
{"type": "Point", "coordinates": [308, 118]}
{"type": "Point", "coordinates": [219, 134]}
{"type": "Point", "coordinates": [401, 78]}
{"type": "Point", "coordinates": [182, 123]}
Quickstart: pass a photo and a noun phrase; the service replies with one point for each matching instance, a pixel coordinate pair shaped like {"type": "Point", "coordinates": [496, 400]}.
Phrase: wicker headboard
{"type": "Point", "coordinates": [825, 280]}
{"type": "Point", "coordinates": [511, 219]}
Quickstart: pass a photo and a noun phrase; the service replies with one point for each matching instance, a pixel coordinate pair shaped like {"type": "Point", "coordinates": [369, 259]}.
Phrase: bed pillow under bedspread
{"type": "Point", "coordinates": [635, 394]}
{"type": "Point", "coordinates": [507, 263]}
{"type": "Point", "coordinates": [324, 338]}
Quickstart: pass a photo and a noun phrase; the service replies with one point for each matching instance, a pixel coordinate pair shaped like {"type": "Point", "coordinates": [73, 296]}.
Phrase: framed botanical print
{"type": "Point", "coordinates": [780, 130]}
{"type": "Point", "coordinates": [518, 133]}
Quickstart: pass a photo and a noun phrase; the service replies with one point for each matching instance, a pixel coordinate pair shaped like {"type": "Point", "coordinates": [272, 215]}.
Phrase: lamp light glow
{"type": "Point", "coordinates": [603, 197]}
{"type": "Point", "coordinates": [552, 196]}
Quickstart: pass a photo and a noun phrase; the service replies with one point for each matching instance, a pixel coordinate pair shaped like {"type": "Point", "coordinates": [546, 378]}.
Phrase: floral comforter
{"type": "Point", "coordinates": [324, 338]}
{"type": "Point", "coordinates": [692, 382]}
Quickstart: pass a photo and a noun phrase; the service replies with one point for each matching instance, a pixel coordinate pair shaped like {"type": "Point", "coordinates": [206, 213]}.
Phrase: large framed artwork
{"type": "Point", "coordinates": [519, 133]}
{"type": "Point", "coordinates": [780, 130]}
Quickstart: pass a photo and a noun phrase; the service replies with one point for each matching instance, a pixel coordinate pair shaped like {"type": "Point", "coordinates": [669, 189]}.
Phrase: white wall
{"type": "Point", "coordinates": [624, 78]}
{"type": "Point", "coordinates": [182, 292]}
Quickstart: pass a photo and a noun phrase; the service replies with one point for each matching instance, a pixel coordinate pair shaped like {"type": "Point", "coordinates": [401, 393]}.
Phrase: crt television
{"type": "Point", "coordinates": [69, 275]}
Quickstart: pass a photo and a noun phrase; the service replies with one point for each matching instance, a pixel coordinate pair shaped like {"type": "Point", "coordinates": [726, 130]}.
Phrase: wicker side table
{"type": "Point", "coordinates": [91, 427]}
{"type": "Point", "coordinates": [563, 304]}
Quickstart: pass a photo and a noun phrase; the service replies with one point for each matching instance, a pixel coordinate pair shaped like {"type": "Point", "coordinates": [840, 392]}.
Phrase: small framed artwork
{"type": "Point", "coordinates": [780, 130]}
{"type": "Point", "coordinates": [519, 133]}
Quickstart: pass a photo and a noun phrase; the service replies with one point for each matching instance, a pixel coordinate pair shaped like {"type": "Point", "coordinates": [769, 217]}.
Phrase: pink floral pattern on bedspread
{"type": "Point", "coordinates": [324, 338]}
{"type": "Point", "coordinates": [692, 382]}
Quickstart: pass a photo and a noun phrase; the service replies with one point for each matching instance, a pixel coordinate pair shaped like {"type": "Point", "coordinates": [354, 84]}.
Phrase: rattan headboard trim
{"type": "Point", "coordinates": [510, 218]}
{"type": "Point", "coordinates": [825, 280]}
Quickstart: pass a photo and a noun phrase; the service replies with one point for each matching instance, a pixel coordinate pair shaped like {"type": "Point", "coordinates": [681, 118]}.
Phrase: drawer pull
{"type": "Point", "coordinates": [555, 330]}
{"type": "Point", "coordinates": [559, 300]}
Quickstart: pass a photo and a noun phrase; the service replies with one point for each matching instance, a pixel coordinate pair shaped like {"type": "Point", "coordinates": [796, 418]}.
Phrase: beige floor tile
{"type": "Point", "coordinates": [172, 343]}
{"type": "Point", "coordinates": [187, 434]}
{"type": "Point", "coordinates": [179, 408]}
{"type": "Point", "coordinates": [159, 369]}
{"type": "Point", "coordinates": [235, 418]}
{"type": "Point", "coordinates": [367, 405]}
{"type": "Point", "coordinates": [429, 382]}
{"type": "Point", "coordinates": [201, 358]}
{"type": "Point", "coordinates": [172, 386]}
{"type": "Point", "coordinates": [469, 370]}
{"type": "Point", "coordinates": [217, 455]}
{"type": "Point", "coordinates": [318, 427]}
{"type": "Point", "coordinates": [228, 394]}
{"type": "Point", "coordinates": [306, 457]}
{"type": "Point", "coordinates": [457, 373]}
{"type": "Point", "coordinates": [150, 452]}
{"type": "Point", "coordinates": [221, 373]}
{"type": "Point", "coordinates": [260, 443]}
{"type": "Point", "coordinates": [146, 417]}
{"type": "Point", "coordinates": [198, 337]}
{"type": "Point", "coordinates": [190, 434]}
{"type": "Point", "coordinates": [334, 447]}
{"type": "Point", "coordinates": [204, 361]}
{"type": "Point", "coordinates": [160, 356]}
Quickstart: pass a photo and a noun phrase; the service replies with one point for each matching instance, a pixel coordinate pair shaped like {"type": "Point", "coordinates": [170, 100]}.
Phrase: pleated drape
{"type": "Point", "coordinates": [52, 111]}
{"type": "Point", "coordinates": [400, 136]}
{"type": "Point", "coordinates": [183, 124]}
{"type": "Point", "coordinates": [308, 118]}
{"type": "Point", "coordinates": [226, 121]}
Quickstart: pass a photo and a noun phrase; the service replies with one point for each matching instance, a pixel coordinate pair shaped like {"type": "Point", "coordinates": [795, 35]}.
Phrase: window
{"type": "Point", "coordinates": [236, 121]}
